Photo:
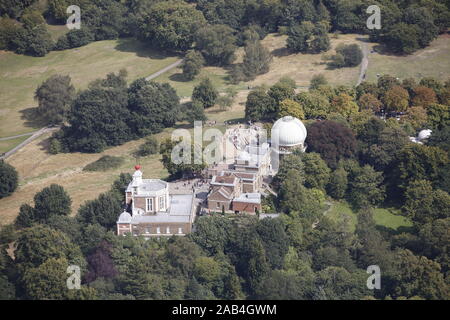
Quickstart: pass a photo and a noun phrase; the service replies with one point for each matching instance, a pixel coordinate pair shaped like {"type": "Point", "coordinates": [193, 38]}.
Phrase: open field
{"type": "Point", "coordinates": [7, 145]}
{"type": "Point", "coordinates": [383, 217]}
{"type": "Point", "coordinates": [433, 61]}
{"type": "Point", "coordinates": [20, 75]}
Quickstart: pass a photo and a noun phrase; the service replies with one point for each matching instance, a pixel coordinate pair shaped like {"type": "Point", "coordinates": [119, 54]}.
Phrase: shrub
{"type": "Point", "coordinates": [8, 179]}
{"type": "Point", "coordinates": [150, 146]}
{"type": "Point", "coordinates": [104, 163]}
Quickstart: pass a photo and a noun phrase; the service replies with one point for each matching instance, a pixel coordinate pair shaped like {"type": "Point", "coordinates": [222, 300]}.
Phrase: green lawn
{"type": "Point", "coordinates": [20, 75]}
{"type": "Point", "coordinates": [184, 88]}
{"type": "Point", "coordinates": [432, 61]}
{"type": "Point", "coordinates": [387, 218]}
{"type": "Point", "coordinates": [7, 145]}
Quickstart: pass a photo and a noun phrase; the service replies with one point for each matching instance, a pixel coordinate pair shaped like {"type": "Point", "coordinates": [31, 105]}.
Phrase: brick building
{"type": "Point", "coordinates": [152, 211]}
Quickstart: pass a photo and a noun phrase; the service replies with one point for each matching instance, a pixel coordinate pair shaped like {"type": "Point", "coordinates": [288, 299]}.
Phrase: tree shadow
{"type": "Point", "coordinates": [44, 145]}
{"type": "Point", "coordinates": [281, 52]}
{"type": "Point", "coordinates": [142, 49]}
{"type": "Point", "coordinates": [179, 77]}
{"type": "Point", "coordinates": [32, 118]}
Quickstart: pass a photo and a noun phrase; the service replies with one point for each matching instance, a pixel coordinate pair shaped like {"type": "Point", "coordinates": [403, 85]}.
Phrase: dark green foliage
{"type": "Point", "coordinates": [317, 81]}
{"type": "Point", "coordinates": [195, 112]}
{"type": "Point", "coordinates": [99, 117]}
{"type": "Point", "coordinates": [74, 39]}
{"type": "Point", "coordinates": [308, 38]}
{"type": "Point", "coordinates": [274, 240]}
{"type": "Point", "coordinates": [26, 216]}
{"type": "Point", "coordinates": [104, 210]}
{"type": "Point", "coordinates": [170, 25]}
{"type": "Point", "coordinates": [317, 173]}
{"type": "Point", "coordinates": [104, 163]}
{"type": "Point", "coordinates": [257, 60]}
{"type": "Point", "coordinates": [338, 184]}
{"type": "Point", "coordinates": [51, 201]}
{"type": "Point", "coordinates": [149, 147]}
{"type": "Point", "coordinates": [205, 93]}
{"type": "Point", "coordinates": [192, 64]}
{"type": "Point", "coordinates": [347, 56]}
{"type": "Point", "coordinates": [54, 96]}
{"type": "Point", "coordinates": [9, 179]}
{"type": "Point", "coordinates": [154, 106]}
{"type": "Point", "coordinates": [217, 44]}
{"type": "Point", "coordinates": [259, 105]}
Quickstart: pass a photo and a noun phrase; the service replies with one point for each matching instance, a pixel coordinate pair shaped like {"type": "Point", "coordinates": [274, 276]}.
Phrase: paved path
{"type": "Point", "coordinates": [163, 70]}
{"type": "Point", "coordinates": [27, 141]}
{"type": "Point", "coordinates": [364, 63]}
{"type": "Point", "coordinates": [18, 136]}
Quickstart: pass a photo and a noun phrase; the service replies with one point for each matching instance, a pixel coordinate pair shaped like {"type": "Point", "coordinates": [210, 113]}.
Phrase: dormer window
{"type": "Point", "coordinates": [135, 190]}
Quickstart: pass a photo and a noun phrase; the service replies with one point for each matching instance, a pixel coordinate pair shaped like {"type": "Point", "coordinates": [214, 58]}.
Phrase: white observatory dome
{"type": "Point", "coordinates": [288, 131]}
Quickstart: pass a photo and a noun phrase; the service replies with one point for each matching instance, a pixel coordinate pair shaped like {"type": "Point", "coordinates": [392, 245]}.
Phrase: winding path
{"type": "Point", "coordinates": [364, 63]}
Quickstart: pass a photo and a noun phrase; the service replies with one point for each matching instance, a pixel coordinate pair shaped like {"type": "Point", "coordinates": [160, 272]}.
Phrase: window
{"type": "Point", "coordinates": [180, 230]}
{"type": "Point", "coordinates": [218, 205]}
{"type": "Point", "coordinates": [147, 230]}
{"type": "Point", "coordinates": [162, 203]}
{"type": "Point", "coordinates": [149, 204]}
{"type": "Point", "coordinates": [135, 190]}
{"type": "Point", "coordinates": [167, 230]}
{"type": "Point", "coordinates": [158, 230]}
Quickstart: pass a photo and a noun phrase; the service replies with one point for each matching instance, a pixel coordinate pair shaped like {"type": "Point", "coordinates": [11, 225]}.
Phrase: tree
{"type": "Point", "coordinates": [40, 243]}
{"type": "Point", "coordinates": [212, 233]}
{"type": "Point", "coordinates": [274, 239]}
{"type": "Point", "coordinates": [100, 263]}
{"type": "Point", "coordinates": [196, 112]}
{"type": "Point", "coordinates": [171, 25]}
{"type": "Point", "coordinates": [259, 105]}
{"type": "Point", "coordinates": [338, 185]}
{"type": "Point", "coordinates": [292, 108]}
{"type": "Point", "coordinates": [368, 102]}
{"type": "Point", "coordinates": [366, 188]}
{"type": "Point", "coordinates": [418, 162]}
{"type": "Point", "coordinates": [192, 64]}
{"type": "Point", "coordinates": [103, 210]}
{"type": "Point", "coordinates": [9, 179]}
{"type": "Point", "coordinates": [216, 43]}
{"type": "Point", "coordinates": [438, 116]}
{"type": "Point", "coordinates": [332, 141]}
{"type": "Point", "coordinates": [289, 164]}
{"type": "Point", "coordinates": [281, 91]}
{"type": "Point", "coordinates": [257, 60]}
{"type": "Point", "coordinates": [344, 104]}
{"type": "Point", "coordinates": [149, 147]}
{"type": "Point", "coordinates": [284, 285]}
{"type": "Point", "coordinates": [423, 204]}
{"type": "Point", "coordinates": [336, 283]}
{"type": "Point", "coordinates": [417, 117]}
{"type": "Point", "coordinates": [396, 99]}
{"type": "Point", "coordinates": [294, 197]}
{"type": "Point", "coordinates": [99, 117]}
{"type": "Point", "coordinates": [351, 54]}
{"type": "Point", "coordinates": [298, 37]}
{"type": "Point", "coordinates": [317, 173]}
{"type": "Point", "coordinates": [415, 276]}
{"type": "Point", "coordinates": [51, 201]}
{"type": "Point", "coordinates": [423, 97]}
{"type": "Point", "coordinates": [205, 93]}
{"type": "Point", "coordinates": [314, 104]}
{"type": "Point", "coordinates": [403, 38]}
{"type": "Point", "coordinates": [316, 81]}
{"type": "Point", "coordinates": [153, 106]}
{"type": "Point", "coordinates": [54, 97]}
{"type": "Point", "coordinates": [26, 216]}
